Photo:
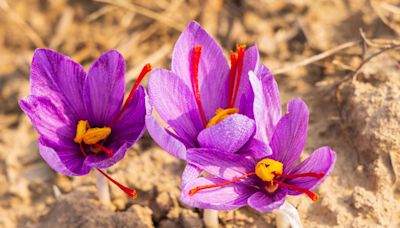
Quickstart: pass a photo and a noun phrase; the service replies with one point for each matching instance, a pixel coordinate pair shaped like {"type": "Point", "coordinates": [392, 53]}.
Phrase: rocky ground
{"type": "Point", "coordinates": [353, 95]}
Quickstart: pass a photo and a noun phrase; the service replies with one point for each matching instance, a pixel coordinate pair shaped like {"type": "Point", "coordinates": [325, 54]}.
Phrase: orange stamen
{"type": "Point", "coordinates": [310, 194]}
{"type": "Point", "coordinates": [146, 69]}
{"type": "Point", "coordinates": [232, 73]}
{"type": "Point", "coordinates": [240, 50]}
{"type": "Point", "coordinates": [199, 188]}
{"type": "Point", "coordinates": [316, 175]}
{"type": "Point", "coordinates": [130, 192]}
{"type": "Point", "coordinates": [104, 149]}
{"type": "Point", "coordinates": [195, 74]}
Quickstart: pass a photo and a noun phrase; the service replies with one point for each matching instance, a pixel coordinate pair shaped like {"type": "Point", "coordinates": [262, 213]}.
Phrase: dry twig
{"type": "Point", "coordinates": [315, 58]}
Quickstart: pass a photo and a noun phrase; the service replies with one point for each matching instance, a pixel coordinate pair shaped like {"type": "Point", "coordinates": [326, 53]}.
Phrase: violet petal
{"type": "Point", "coordinates": [175, 104]}
{"type": "Point", "coordinates": [229, 197]}
{"type": "Point", "coordinates": [267, 104]}
{"type": "Point", "coordinates": [264, 202]}
{"type": "Point", "coordinates": [213, 68]}
{"type": "Point", "coordinates": [321, 161]}
{"type": "Point", "coordinates": [104, 88]}
{"type": "Point", "coordinates": [67, 161]}
{"type": "Point", "coordinates": [224, 165]}
{"type": "Point", "coordinates": [59, 78]}
{"type": "Point", "coordinates": [228, 135]}
{"type": "Point", "coordinates": [290, 134]}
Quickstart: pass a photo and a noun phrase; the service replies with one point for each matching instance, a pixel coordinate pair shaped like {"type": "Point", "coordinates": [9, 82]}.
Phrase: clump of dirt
{"type": "Point", "coordinates": [370, 111]}
{"type": "Point", "coordinates": [80, 209]}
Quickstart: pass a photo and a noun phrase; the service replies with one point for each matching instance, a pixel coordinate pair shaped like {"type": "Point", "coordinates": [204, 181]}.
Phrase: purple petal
{"type": "Point", "coordinates": [104, 88]}
{"type": "Point", "coordinates": [175, 104]}
{"type": "Point", "coordinates": [213, 67]}
{"type": "Point", "coordinates": [228, 135]}
{"type": "Point", "coordinates": [264, 202]}
{"type": "Point", "coordinates": [267, 103]}
{"type": "Point", "coordinates": [245, 95]}
{"type": "Point", "coordinates": [321, 161]}
{"type": "Point", "coordinates": [130, 127]}
{"type": "Point", "coordinates": [229, 197]}
{"type": "Point", "coordinates": [59, 78]}
{"type": "Point", "coordinates": [102, 161]}
{"type": "Point", "coordinates": [164, 139]}
{"type": "Point", "coordinates": [47, 119]}
{"type": "Point", "coordinates": [67, 161]}
{"type": "Point", "coordinates": [255, 149]}
{"type": "Point", "coordinates": [227, 166]}
{"type": "Point", "coordinates": [190, 173]}
{"type": "Point", "coordinates": [160, 135]}
{"type": "Point", "coordinates": [290, 134]}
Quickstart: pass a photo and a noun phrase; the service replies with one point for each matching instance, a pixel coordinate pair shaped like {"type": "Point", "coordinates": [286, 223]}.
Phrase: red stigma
{"type": "Point", "coordinates": [232, 73]}
{"type": "Point", "coordinates": [315, 175]}
{"type": "Point", "coordinates": [146, 69]}
{"type": "Point", "coordinates": [310, 194]}
{"type": "Point", "coordinates": [104, 149]}
{"type": "Point", "coordinates": [238, 68]}
{"type": "Point", "coordinates": [130, 192]}
{"type": "Point", "coordinates": [195, 75]}
{"type": "Point", "coordinates": [199, 188]}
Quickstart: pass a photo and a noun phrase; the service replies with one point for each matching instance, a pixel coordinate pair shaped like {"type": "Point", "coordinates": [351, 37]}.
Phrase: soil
{"type": "Point", "coordinates": [355, 111]}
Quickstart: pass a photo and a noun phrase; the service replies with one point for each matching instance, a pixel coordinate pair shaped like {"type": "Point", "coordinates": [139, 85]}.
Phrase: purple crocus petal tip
{"type": "Point", "coordinates": [213, 68]}
{"type": "Point", "coordinates": [266, 97]}
{"type": "Point", "coordinates": [290, 134]}
{"type": "Point", "coordinates": [104, 87]}
{"type": "Point", "coordinates": [245, 95]}
{"type": "Point", "coordinates": [59, 78]}
{"type": "Point", "coordinates": [321, 161]}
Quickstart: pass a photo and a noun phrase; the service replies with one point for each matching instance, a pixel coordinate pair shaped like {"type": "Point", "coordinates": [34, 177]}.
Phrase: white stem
{"type": "Point", "coordinates": [103, 189]}
{"type": "Point", "coordinates": [210, 218]}
{"type": "Point", "coordinates": [287, 216]}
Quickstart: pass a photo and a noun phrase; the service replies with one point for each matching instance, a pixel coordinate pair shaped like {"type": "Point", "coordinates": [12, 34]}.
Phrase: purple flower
{"type": "Point", "coordinates": [261, 181]}
{"type": "Point", "coordinates": [79, 116]}
{"type": "Point", "coordinates": [203, 101]}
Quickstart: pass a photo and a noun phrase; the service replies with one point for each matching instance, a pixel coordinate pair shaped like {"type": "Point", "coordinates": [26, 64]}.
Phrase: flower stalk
{"type": "Point", "coordinates": [287, 216]}
{"type": "Point", "coordinates": [103, 189]}
{"type": "Point", "coordinates": [210, 218]}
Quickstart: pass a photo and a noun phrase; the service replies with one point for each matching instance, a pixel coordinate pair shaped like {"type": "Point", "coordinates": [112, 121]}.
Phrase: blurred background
{"type": "Point", "coordinates": [340, 56]}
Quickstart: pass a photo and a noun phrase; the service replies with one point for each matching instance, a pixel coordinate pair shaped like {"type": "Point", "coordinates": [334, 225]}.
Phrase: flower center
{"type": "Point", "coordinates": [234, 83]}
{"type": "Point", "coordinates": [220, 115]}
{"type": "Point", "coordinates": [268, 170]}
{"type": "Point", "coordinates": [93, 138]}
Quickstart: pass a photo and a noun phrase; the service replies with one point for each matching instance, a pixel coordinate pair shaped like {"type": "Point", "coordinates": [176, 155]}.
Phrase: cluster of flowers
{"type": "Point", "coordinates": [224, 119]}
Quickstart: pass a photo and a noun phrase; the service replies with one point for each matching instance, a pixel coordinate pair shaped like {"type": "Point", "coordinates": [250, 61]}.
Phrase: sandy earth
{"type": "Point", "coordinates": [359, 117]}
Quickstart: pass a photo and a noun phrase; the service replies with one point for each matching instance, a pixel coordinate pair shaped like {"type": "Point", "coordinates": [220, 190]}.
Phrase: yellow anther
{"type": "Point", "coordinates": [267, 169]}
{"type": "Point", "coordinates": [220, 115]}
{"type": "Point", "coordinates": [81, 129]}
{"type": "Point", "coordinates": [95, 135]}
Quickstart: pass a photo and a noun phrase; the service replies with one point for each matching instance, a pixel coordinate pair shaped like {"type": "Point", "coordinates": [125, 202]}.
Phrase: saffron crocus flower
{"type": "Point", "coordinates": [202, 99]}
{"type": "Point", "coordinates": [79, 116]}
{"type": "Point", "coordinates": [261, 182]}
